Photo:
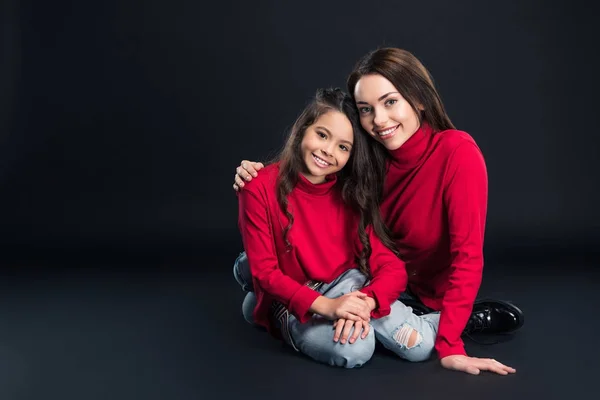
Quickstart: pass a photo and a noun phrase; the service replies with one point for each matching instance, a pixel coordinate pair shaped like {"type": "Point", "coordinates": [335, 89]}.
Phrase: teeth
{"type": "Point", "coordinates": [320, 161]}
{"type": "Point", "coordinates": [387, 131]}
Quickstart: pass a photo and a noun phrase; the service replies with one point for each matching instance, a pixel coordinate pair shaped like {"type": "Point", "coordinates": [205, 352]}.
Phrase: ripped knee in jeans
{"type": "Point", "coordinates": [407, 336]}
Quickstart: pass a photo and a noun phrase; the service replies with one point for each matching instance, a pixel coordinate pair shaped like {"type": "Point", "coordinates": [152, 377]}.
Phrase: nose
{"type": "Point", "coordinates": [379, 118]}
{"type": "Point", "coordinates": [328, 149]}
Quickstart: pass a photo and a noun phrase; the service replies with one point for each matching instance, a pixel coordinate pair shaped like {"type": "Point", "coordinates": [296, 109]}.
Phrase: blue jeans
{"type": "Point", "coordinates": [315, 337]}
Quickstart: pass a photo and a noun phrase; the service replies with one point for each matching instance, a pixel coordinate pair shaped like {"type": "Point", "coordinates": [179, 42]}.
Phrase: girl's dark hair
{"type": "Point", "coordinates": [355, 181]}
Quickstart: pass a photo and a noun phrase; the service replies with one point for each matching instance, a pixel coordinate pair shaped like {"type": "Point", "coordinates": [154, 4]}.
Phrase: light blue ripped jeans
{"type": "Point", "coordinates": [315, 337]}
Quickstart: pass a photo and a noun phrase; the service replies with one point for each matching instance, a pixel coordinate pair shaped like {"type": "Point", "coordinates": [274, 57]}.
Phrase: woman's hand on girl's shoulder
{"type": "Point", "coordinates": [245, 172]}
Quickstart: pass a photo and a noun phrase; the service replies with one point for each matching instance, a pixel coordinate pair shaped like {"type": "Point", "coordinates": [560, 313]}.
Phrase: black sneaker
{"type": "Point", "coordinates": [495, 317]}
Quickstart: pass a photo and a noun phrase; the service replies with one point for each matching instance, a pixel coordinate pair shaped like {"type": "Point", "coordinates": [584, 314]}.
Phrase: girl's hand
{"type": "Point", "coordinates": [344, 326]}
{"type": "Point", "coordinates": [353, 306]}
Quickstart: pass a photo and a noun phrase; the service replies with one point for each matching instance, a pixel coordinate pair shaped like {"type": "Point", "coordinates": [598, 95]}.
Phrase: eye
{"type": "Point", "coordinates": [322, 135]}
{"type": "Point", "coordinates": [344, 147]}
{"type": "Point", "coordinates": [391, 102]}
{"type": "Point", "coordinates": [364, 110]}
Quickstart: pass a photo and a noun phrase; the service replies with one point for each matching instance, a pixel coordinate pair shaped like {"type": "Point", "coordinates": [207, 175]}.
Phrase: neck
{"type": "Point", "coordinates": [411, 151]}
{"type": "Point", "coordinates": [318, 186]}
{"type": "Point", "coordinates": [315, 180]}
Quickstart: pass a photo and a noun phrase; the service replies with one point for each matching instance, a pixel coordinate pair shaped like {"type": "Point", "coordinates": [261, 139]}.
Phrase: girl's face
{"type": "Point", "coordinates": [384, 113]}
{"type": "Point", "coordinates": [326, 146]}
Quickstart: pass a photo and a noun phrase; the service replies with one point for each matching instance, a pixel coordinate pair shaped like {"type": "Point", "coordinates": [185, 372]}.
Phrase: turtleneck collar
{"type": "Point", "coordinates": [410, 153]}
{"type": "Point", "coordinates": [320, 189]}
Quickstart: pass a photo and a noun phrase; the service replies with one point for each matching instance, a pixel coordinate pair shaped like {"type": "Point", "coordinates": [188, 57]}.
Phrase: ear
{"type": "Point", "coordinates": [420, 107]}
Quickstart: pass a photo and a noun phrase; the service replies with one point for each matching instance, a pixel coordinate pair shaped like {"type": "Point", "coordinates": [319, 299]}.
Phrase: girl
{"type": "Point", "coordinates": [433, 193]}
{"type": "Point", "coordinates": [317, 250]}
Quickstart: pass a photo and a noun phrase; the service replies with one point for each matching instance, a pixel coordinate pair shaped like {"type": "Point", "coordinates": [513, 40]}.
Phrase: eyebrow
{"type": "Point", "coordinates": [329, 132]}
{"type": "Point", "coordinates": [379, 99]}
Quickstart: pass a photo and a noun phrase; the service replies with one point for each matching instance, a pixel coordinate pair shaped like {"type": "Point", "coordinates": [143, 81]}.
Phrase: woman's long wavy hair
{"type": "Point", "coordinates": [355, 181]}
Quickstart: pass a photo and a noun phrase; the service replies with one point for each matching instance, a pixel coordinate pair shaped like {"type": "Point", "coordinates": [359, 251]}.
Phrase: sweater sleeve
{"type": "Point", "coordinates": [257, 237]}
{"type": "Point", "coordinates": [389, 278]}
{"type": "Point", "coordinates": [465, 199]}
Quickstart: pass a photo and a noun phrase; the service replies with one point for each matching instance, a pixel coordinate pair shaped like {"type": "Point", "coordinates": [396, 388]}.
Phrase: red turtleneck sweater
{"type": "Point", "coordinates": [435, 202]}
{"type": "Point", "coordinates": [324, 243]}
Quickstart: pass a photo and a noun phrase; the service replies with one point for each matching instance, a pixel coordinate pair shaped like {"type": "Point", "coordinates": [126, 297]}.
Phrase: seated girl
{"type": "Point", "coordinates": [320, 270]}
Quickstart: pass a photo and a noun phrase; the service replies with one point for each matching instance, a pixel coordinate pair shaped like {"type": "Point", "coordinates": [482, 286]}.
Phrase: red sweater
{"type": "Point", "coordinates": [324, 239]}
{"type": "Point", "coordinates": [435, 202]}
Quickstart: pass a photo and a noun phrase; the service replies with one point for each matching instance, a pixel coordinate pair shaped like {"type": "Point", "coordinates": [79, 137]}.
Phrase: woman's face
{"type": "Point", "coordinates": [384, 113]}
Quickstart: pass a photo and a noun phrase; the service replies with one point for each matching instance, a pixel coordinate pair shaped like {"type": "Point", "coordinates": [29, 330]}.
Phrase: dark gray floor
{"type": "Point", "coordinates": [133, 331]}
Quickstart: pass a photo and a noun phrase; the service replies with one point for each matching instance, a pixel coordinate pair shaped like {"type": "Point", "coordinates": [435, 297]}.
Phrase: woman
{"type": "Point", "coordinates": [320, 265]}
{"type": "Point", "coordinates": [433, 197]}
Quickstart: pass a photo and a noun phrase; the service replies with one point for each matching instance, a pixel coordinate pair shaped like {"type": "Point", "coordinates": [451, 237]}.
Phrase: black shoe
{"type": "Point", "coordinates": [495, 317]}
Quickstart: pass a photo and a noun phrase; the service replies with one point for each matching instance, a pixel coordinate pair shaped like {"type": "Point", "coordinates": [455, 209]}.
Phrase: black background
{"type": "Point", "coordinates": [121, 124]}
{"type": "Point", "coordinates": [123, 121]}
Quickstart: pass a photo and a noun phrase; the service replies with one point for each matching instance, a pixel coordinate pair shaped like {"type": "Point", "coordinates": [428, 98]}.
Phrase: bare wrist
{"type": "Point", "coordinates": [320, 306]}
{"type": "Point", "coordinates": [372, 303]}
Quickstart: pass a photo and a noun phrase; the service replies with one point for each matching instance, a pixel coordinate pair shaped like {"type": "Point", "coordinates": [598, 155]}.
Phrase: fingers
{"type": "Point", "coordinates": [243, 174]}
{"type": "Point", "coordinates": [510, 370]}
{"type": "Point", "coordinates": [371, 304]}
{"type": "Point", "coordinates": [360, 312]}
{"type": "Point", "coordinates": [464, 364]}
{"type": "Point", "coordinates": [365, 315]}
{"type": "Point", "coordinates": [474, 365]}
{"type": "Point", "coordinates": [249, 168]}
{"type": "Point", "coordinates": [494, 366]}
{"type": "Point", "coordinates": [343, 330]}
{"type": "Point", "coordinates": [357, 304]}
{"type": "Point", "coordinates": [506, 368]}
{"type": "Point", "coordinates": [361, 308]}
{"type": "Point", "coordinates": [237, 182]}
{"type": "Point", "coordinates": [358, 327]}
{"type": "Point", "coordinates": [366, 329]}
{"type": "Point", "coordinates": [469, 369]}
{"type": "Point", "coordinates": [350, 316]}
{"type": "Point", "coordinates": [497, 367]}
{"type": "Point", "coordinates": [338, 326]}
{"type": "Point", "coordinates": [351, 307]}
{"type": "Point", "coordinates": [489, 364]}
{"type": "Point", "coordinates": [347, 329]}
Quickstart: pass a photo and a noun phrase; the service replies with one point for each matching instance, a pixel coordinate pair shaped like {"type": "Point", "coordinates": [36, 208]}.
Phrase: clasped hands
{"type": "Point", "coordinates": [352, 310]}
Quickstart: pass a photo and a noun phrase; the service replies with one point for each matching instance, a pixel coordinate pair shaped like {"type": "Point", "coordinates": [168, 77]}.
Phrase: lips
{"type": "Point", "coordinates": [387, 133]}
{"type": "Point", "coordinates": [320, 162]}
